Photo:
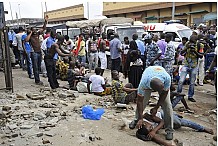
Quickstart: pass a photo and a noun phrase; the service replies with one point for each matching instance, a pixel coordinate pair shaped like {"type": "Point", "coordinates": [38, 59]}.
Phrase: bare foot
{"type": "Point", "coordinates": [210, 131]}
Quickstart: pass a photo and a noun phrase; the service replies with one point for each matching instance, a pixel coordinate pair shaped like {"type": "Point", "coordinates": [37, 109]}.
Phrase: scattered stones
{"type": "Point", "coordinates": [82, 135]}
{"type": "Point", "coordinates": [48, 105]}
{"type": "Point", "coordinates": [44, 141]}
{"type": "Point", "coordinates": [6, 108]}
{"type": "Point", "coordinates": [20, 97]}
{"type": "Point", "coordinates": [40, 116]}
{"type": "Point", "coordinates": [12, 127]}
{"type": "Point", "coordinates": [50, 134]}
{"type": "Point", "coordinates": [26, 126]}
{"type": "Point", "coordinates": [39, 134]}
{"type": "Point", "coordinates": [2, 115]}
{"type": "Point", "coordinates": [14, 135]}
{"type": "Point", "coordinates": [92, 137]}
{"type": "Point", "coordinates": [36, 96]}
{"type": "Point", "coordinates": [63, 113]}
{"type": "Point", "coordinates": [17, 108]}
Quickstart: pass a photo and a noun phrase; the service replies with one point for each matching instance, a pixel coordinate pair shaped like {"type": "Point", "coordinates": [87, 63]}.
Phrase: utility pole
{"type": "Point", "coordinates": [88, 10]}
{"type": "Point", "coordinates": [11, 14]}
{"type": "Point", "coordinates": [173, 11]}
{"type": "Point", "coordinates": [46, 7]}
{"type": "Point", "coordinates": [4, 46]}
{"type": "Point", "coordinates": [42, 10]}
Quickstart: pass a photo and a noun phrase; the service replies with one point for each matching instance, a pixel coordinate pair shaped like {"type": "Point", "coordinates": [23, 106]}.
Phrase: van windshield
{"type": "Point", "coordinates": [129, 31]}
{"type": "Point", "coordinates": [185, 33]}
{"type": "Point", "coordinates": [72, 33]}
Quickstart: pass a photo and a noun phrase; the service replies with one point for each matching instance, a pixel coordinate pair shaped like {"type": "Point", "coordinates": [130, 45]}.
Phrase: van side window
{"type": "Point", "coordinates": [174, 35]}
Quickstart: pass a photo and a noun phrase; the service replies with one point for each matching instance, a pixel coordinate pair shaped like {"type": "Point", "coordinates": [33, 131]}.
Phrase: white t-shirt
{"type": "Point", "coordinates": [97, 82]}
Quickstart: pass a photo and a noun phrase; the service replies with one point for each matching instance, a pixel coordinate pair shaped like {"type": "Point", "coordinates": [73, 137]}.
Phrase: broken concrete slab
{"type": "Point", "coordinates": [36, 96]}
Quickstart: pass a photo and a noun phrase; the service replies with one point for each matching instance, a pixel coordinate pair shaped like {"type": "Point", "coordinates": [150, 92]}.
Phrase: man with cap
{"type": "Point", "coordinates": [152, 52]}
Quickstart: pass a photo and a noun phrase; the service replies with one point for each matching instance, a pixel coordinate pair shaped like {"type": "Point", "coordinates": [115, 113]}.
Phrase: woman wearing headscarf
{"type": "Point", "coordinates": [133, 67]}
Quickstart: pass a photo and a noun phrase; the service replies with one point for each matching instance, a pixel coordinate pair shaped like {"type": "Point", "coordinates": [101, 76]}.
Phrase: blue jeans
{"type": "Point", "coordinates": [36, 61]}
{"type": "Point", "coordinates": [192, 77]}
{"type": "Point", "coordinates": [29, 63]}
{"type": "Point", "coordinates": [21, 53]}
{"type": "Point", "coordinates": [82, 59]}
{"type": "Point", "coordinates": [178, 122]}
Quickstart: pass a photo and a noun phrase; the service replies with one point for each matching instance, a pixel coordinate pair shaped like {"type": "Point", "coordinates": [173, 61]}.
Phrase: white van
{"type": "Point", "coordinates": [177, 30]}
{"type": "Point", "coordinates": [71, 32]}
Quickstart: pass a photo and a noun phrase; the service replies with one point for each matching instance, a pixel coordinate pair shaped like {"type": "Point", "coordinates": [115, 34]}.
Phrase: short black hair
{"type": "Point", "coordinates": [135, 36]}
{"type": "Point", "coordinates": [168, 35]}
{"type": "Point", "coordinates": [98, 71]}
{"type": "Point", "coordinates": [184, 39]}
{"type": "Point", "coordinates": [113, 72]}
{"type": "Point", "coordinates": [20, 29]}
{"type": "Point", "coordinates": [66, 37]}
{"type": "Point", "coordinates": [142, 133]}
{"type": "Point", "coordinates": [162, 35]}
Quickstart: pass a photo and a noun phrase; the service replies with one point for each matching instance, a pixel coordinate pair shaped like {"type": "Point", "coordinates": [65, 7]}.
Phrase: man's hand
{"type": "Point", "coordinates": [139, 124]}
{"type": "Point", "coordinates": [153, 111]}
{"type": "Point", "coordinates": [151, 134]}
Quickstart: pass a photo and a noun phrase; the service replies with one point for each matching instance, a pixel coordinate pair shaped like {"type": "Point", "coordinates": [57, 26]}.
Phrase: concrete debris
{"type": "Point", "coordinates": [26, 126]}
{"type": "Point", "coordinates": [48, 105]}
{"type": "Point", "coordinates": [20, 97]}
{"type": "Point", "coordinates": [6, 108]}
{"type": "Point", "coordinates": [36, 96]}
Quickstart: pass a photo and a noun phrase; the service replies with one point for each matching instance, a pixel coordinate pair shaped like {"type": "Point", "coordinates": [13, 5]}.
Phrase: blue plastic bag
{"type": "Point", "coordinates": [89, 113]}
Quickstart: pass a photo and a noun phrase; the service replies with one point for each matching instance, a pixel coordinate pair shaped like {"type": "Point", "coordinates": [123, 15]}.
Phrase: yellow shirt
{"type": "Point", "coordinates": [82, 49]}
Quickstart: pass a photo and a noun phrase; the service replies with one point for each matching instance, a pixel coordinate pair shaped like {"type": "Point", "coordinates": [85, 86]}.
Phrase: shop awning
{"type": "Point", "coordinates": [151, 18]}
{"type": "Point", "coordinates": [210, 16]}
{"type": "Point", "coordinates": [198, 11]}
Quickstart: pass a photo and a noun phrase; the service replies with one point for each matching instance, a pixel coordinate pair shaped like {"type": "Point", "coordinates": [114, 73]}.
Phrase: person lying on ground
{"type": "Point", "coordinates": [97, 84]}
{"type": "Point", "coordinates": [151, 124]}
{"type": "Point", "coordinates": [121, 93]}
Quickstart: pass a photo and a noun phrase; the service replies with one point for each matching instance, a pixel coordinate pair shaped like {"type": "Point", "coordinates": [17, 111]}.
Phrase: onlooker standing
{"type": "Point", "coordinates": [201, 66]}
{"type": "Point", "coordinates": [102, 54]}
{"type": "Point", "coordinates": [28, 49]}
{"type": "Point", "coordinates": [80, 50]}
{"type": "Point", "coordinates": [18, 41]}
{"type": "Point", "coordinates": [180, 58]}
{"type": "Point", "coordinates": [141, 48]}
{"type": "Point", "coordinates": [192, 52]}
{"type": "Point", "coordinates": [125, 49]}
{"type": "Point", "coordinates": [115, 50]}
{"type": "Point", "coordinates": [93, 53]}
{"type": "Point", "coordinates": [169, 55]}
{"type": "Point", "coordinates": [70, 44]}
{"type": "Point", "coordinates": [162, 45]}
{"type": "Point", "coordinates": [36, 56]}
{"type": "Point", "coordinates": [153, 52]}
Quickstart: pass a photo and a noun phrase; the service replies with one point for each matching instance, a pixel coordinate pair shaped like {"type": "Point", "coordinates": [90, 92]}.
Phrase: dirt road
{"type": "Point", "coordinates": [56, 119]}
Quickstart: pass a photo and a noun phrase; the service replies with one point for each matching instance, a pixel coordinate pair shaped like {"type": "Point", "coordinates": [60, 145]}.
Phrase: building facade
{"type": "Point", "coordinates": [149, 12]}
{"type": "Point", "coordinates": [72, 13]}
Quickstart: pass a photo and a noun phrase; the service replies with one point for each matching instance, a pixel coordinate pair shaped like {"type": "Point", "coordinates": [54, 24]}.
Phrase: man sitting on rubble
{"type": "Point", "coordinates": [120, 93]}
{"type": "Point", "coordinates": [97, 84]}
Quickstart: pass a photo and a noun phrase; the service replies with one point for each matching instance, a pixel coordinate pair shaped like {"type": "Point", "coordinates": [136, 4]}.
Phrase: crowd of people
{"type": "Point", "coordinates": [151, 64]}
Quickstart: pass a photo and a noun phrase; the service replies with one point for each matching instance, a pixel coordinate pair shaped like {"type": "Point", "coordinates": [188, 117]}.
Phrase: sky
{"type": "Point", "coordinates": [34, 8]}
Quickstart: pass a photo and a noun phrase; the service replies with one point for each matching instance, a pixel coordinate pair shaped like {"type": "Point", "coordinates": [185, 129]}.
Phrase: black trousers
{"type": "Point", "coordinates": [51, 72]}
{"type": "Point", "coordinates": [115, 64]}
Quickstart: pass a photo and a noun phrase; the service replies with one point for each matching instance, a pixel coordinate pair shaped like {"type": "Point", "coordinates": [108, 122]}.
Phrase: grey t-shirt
{"type": "Point", "coordinates": [115, 45]}
{"type": "Point", "coordinates": [18, 41]}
